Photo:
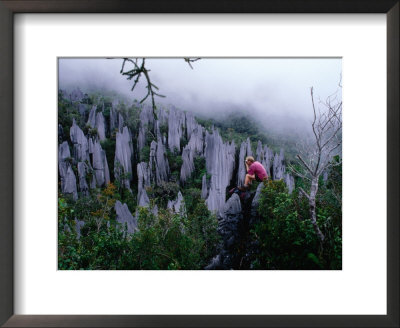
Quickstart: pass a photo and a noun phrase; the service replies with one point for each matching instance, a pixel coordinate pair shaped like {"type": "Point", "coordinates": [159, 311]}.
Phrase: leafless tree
{"type": "Point", "coordinates": [316, 155]}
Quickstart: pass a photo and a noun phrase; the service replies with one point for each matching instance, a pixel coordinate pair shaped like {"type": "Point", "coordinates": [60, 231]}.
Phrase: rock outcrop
{"type": "Point", "coordinates": [187, 167]}
{"type": "Point", "coordinates": [143, 172]}
{"type": "Point", "coordinates": [220, 163]}
{"type": "Point", "coordinates": [267, 158]}
{"type": "Point", "coordinates": [146, 124]}
{"type": "Point", "coordinates": [100, 165]}
{"type": "Point", "coordinates": [204, 187]}
{"type": "Point", "coordinates": [82, 108]}
{"type": "Point", "coordinates": [67, 175]}
{"type": "Point", "coordinates": [177, 205]}
{"type": "Point", "coordinates": [96, 121]}
{"type": "Point", "coordinates": [83, 170]}
{"type": "Point", "coordinates": [245, 150]}
{"type": "Point", "coordinates": [100, 126]}
{"type": "Point", "coordinates": [228, 227]}
{"type": "Point", "coordinates": [159, 166]}
{"type": "Point", "coordinates": [123, 157]}
{"type": "Point", "coordinates": [76, 95]}
{"type": "Point", "coordinates": [113, 120]}
{"type": "Point", "coordinates": [176, 123]}
{"type": "Point", "coordinates": [125, 218]}
{"type": "Point", "coordinates": [80, 143]}
{"type": "Point", "coordinates": [279, 166]}
{"type": "Point", "coordinates": [92, 117]}
{"type": "Point", "coordinates": [289, 181]}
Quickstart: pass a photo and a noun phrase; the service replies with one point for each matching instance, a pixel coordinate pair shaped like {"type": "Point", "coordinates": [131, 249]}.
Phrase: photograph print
{"type": "Point", "coordinates": [199, 163]}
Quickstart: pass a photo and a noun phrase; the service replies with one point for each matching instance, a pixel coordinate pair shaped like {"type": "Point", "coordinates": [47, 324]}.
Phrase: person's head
{"type": "Point", "coordinates": [249, 160]}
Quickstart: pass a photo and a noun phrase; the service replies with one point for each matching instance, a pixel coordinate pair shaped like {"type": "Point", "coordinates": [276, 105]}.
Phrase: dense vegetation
{"type": "Point", "coordinates": [281, 238]}
{"type": "Point", "coordinates": [284, 234]}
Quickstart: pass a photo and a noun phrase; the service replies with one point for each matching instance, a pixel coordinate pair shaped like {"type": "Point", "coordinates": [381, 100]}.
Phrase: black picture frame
{"type": "Point", "coordinates": [7, 10]}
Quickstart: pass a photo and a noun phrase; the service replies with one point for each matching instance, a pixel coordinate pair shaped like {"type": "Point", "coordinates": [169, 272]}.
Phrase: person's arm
{"type": "Point", "coordinates": [250, 171]}
{"type": "Point", "coordinates": [247, 166]}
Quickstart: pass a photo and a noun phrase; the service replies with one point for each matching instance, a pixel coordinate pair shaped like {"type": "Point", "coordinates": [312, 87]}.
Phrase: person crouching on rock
{"type": "Point", "coordinates": [255, 171]}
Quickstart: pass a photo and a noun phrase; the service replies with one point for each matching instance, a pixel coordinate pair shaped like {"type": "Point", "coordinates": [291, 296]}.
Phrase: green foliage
{"type": "Point", "coordinates": [130, 114]}
{"type": "Point", "coordinates": [164, 129]}
{"type": "Point", "coordinates": [67, 112]}
{"type": "Point", "coordinates": [166, 241]}
{"type": "Point", "coordinates": [102, 242]}
{"type": "Point", "coordinates": [195, 181]}
{"type": "Point", "coordinates": [89, 131]}
{"type": "Point", "coordinates": [145, 154]}
{"type": "Point", "coordinates": [170, 241]}
{"type": "Point", "coordinates": [164, 192]}
{"type": "Point", "coordinates": [285, 236]}
{"type": "Point", "coordinates": [108, 145]}
{"type": "Point", "coordinates": [175, 162]}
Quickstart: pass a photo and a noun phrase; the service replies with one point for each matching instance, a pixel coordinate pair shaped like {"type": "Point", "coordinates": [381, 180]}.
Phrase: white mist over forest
{"type": "Point", "coordinates": [274, 91]}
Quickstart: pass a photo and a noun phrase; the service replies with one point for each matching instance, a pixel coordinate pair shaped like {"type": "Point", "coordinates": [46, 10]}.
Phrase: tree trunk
{"type": "Point", "coordinates": [313, 212]}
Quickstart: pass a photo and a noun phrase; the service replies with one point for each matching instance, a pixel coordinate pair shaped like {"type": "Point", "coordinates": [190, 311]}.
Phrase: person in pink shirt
{"type": "Point", "coordinates": [255, 171]}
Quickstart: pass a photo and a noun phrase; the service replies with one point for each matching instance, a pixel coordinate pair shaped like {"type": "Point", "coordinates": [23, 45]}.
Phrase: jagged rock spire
{"type": "Point", "coordinates": [100, 165]}
{"type": "Point", "coordinates": [177, 205]}
{"type": "Point", "coordinates": [124, 217]}
{"type": "Point", "coordinates": [123, 157]}
{"type": "Point", "coordinates": [80, 142]}
{"type": "Point", "coordinates": [143, 172]}
{"type": "Point", "coordinates": [159, 166]}
{"type": "Point", "coordinates": [67, 175]}
{"type": "Point", "coordinates": [176, 122]}
{"type": "Point", "coordinates": [220, 163]}
{"type": "Point", "coordinates": [245, 150]}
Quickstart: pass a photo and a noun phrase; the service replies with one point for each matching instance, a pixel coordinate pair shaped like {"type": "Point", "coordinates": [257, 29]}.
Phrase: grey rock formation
{"type": "Point", "coordinates": [82, 109]}
{"type": "Point", "coordinates": [177, 205]}
{"type": "Point", "coordinates": [100, 126]}
{"type": "Point", "coordinates": [78, 227]}
{"type": "Point", "coordinates": [92, 117]}
{"type": "Point", "coordinates": [67, 175]}
{"type": "Point", "coordinates": [289, 181]}
{"type": "Point", "coordinates": [113, 120]}
{"type": "Point", "coordinates": [176, 123]}
{"type": "Point", "coordinates": [90, 145]}
{"type": "Point", "coordinates": [228, 227]}
{"type": "Point", "coordinates": [267, 159]}
{"type": "Point", "coordinates": [60, 133]}
{"type": "Point", "coordinates": [146, 118]}
{"type": "Point", "coordinates": [279, 166]}
{"type": "Point", "coordinates": [196, 140]}
{"type": "Point", "coordinates": [100, 165]}
{"type": "Point", "coordinates": [143, 172]}
{"type": "Point", "coordinates": [159, 166]}
{"type": "Point", "coordinates": [124, 217]}
{"type": "Point", "coordinates": [63, 155]}
{"type": "Point", "coordinates": [83, 169]}
{"type": "Point", "coordinates": [123, 157]}
{"type": "Point", "coordinates": [80, 142]}
{"type": "Point", "coordinates": [245, 150]}
{"type": "Point", "coordinates": [187, 167]}
{"type": "Point", "coordinates": [121, 123]}
{"type": "Point", "coordinates": [204, 187]}
{"type": "Point", "coordinates": [220, 163]}
{"type": "Point", "coordinates": [76, 95]}
{"type": "Point", "coordinates": [256, 201]}
{"type": "Point", "coordinates": [259, 152]}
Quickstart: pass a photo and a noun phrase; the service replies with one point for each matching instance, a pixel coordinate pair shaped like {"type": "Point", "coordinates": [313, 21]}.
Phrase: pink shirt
{"type": "Point", "coordinates": [257, 169]}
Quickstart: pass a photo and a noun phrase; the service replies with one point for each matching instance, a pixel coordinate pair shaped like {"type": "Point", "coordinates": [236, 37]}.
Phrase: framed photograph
{"type": "Point", "coordinates": [137, 153]}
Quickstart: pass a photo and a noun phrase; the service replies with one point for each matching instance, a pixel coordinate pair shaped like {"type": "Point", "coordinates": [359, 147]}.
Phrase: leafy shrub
{"type": "Point", "coordinates": [164, 192]}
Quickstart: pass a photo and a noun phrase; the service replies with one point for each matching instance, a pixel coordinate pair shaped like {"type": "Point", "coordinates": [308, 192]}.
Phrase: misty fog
{"type": "Point", "coordinates": [274, 91]}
